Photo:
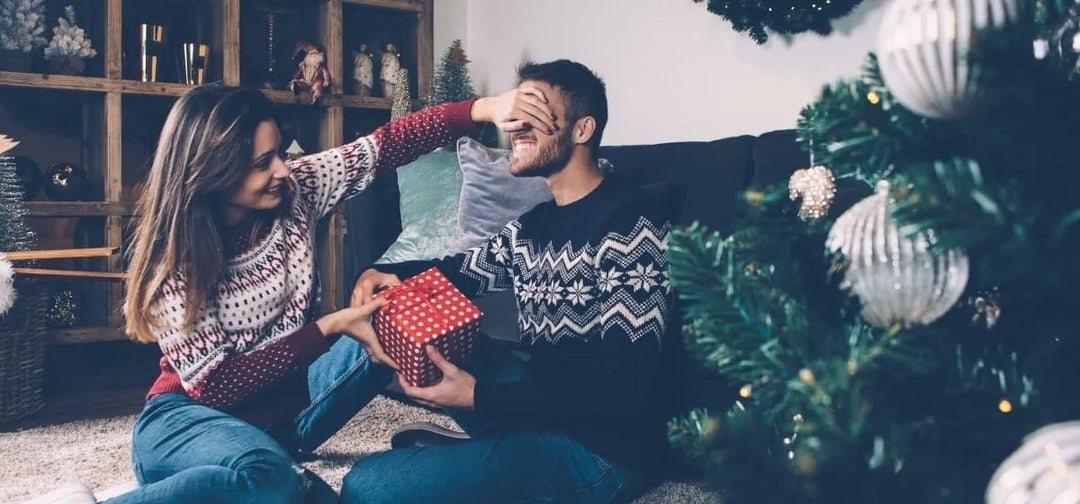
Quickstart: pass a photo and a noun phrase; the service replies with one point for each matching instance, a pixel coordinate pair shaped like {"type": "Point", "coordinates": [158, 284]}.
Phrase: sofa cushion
{"type": "Point", "coordinates": [776, 156]}
{"type": "Point", "coordinates": [429, 189]}
{"type": "Point", "coordinates": [709, 174]}
{"type": "Point", "coordinates": [490, 196]}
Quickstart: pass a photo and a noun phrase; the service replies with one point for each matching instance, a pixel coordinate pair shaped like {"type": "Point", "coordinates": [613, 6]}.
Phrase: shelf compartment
{"type": "Point", "coordinates": [79, 208]}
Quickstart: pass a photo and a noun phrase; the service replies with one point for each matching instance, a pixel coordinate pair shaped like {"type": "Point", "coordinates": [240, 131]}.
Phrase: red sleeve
{"type": "Point", "coordinates": [400, 142]}
{"type": "Point", "coordinates": [239, 377]}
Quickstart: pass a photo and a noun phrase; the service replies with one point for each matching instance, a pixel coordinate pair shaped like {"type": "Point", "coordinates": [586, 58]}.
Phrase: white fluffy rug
{"type": "Point", "coordinates": [96, 452]}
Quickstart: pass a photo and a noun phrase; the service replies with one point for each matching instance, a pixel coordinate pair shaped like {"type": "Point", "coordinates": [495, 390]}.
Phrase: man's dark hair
{"type": "Point", "coordinates": [583, 91]}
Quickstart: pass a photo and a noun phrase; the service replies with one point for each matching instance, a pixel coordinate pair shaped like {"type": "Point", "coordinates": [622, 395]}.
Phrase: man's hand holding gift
{"type": "Point", "coordinates": [454, 391]}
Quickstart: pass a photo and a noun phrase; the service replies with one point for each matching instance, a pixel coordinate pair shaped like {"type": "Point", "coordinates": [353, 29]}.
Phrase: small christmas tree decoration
{"type": "Point", "coordinates": [786, 17]}
{"type": "Point", "coordinates": [924, 51]}
{"type": "Point", "coordinates": [7, 285]}
{"type": "Point", "coordinates": [897, 277]}
{"type": "Point", "coordinates": [69, 46]}
{"type": "Point", "coordinates": [1046, 468]}
{"type": "Point", "coordinates": [402, 99]}
{"type": "Point", "coordinates": [452, 82]}
{"type": "Point", "coordinates": [294, 151]}
{"type": "Point", "coordinates": [817, 188]}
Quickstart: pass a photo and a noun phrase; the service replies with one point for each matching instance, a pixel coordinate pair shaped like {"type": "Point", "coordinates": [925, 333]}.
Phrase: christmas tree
{"type": "Point", "coordinates": [900, 349]}
{"type": "Point", "coordinates": [402, 97]}
{"type": "Point", "coordinates": [15, 235]}
{"type": "Point", "coordinates": [452, 82]}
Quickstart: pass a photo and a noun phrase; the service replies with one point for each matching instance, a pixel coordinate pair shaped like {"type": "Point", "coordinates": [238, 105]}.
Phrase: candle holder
{"type": "Point", "coordinates": [151, 38]}
{"type": "Point", "coordinates": [195, 58]}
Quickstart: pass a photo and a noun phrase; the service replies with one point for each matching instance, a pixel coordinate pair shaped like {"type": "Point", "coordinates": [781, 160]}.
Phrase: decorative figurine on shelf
{"type": "Point", "coordinates": [363, 71]}
{"type": "Point", "coordinates": [311, 75]}
{"type": "Point", "coordinates": [388, 74]}
{"type": "Point", "coordinates": [65, 182]}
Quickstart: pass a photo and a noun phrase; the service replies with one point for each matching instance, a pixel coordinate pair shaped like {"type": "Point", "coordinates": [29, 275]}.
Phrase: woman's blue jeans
{"type": "Point", "coordinates": [184, 451]}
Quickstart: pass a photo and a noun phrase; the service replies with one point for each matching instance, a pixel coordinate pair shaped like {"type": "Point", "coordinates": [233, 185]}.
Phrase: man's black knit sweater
{"type": "Point", "coordinates": [590, 279]}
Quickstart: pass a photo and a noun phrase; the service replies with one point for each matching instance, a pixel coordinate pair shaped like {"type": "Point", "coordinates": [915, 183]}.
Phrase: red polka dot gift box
{"type": "Point", "coordinates": [426, 309]}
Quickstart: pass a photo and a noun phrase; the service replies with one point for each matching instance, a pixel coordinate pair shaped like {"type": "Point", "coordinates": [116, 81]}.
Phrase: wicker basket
{"type": "Point", "coordinates": [22, 352]}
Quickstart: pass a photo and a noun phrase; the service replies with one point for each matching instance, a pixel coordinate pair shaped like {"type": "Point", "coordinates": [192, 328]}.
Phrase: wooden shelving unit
{"type": "Point", "coordinates": [104, 120]}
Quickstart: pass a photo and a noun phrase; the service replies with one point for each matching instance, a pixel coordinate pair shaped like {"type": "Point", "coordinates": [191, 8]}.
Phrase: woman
{"type": "Point", "coordinates": [222, 275]}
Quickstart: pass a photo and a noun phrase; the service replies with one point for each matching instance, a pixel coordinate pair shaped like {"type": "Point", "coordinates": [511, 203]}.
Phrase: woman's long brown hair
{"type": "Point", "coordinates": [202, 158]}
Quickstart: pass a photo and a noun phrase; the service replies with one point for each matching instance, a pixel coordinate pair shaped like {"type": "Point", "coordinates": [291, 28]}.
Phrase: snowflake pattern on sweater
{"type": "Point", "coordinates": [252, 333]}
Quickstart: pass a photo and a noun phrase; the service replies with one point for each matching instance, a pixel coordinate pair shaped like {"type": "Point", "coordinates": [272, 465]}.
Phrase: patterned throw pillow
{"type": "Point", "coordinates": [429, 187]}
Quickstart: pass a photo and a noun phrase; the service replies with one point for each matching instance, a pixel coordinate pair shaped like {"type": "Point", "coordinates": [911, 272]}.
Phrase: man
{"type": "Point", "coordinates": [583, 419]}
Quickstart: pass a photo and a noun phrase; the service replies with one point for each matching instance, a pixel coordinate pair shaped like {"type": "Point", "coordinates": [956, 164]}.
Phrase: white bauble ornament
{"type": "Point", "coordinates": [923, 48]}
{"type": "Point", "coordinates": [7, 285]}
{"type": "Point", "coordinates": [897, 278]}
{"type": "Point", "coordinates": [1046, 469]}
{"type": "Point", "coordinates": [817, 188]}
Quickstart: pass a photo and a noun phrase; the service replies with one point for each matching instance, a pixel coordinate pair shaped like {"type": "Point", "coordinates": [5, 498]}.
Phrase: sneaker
{"type": "Point", "coordinates": [423, 434]}
{"type": "Point", "coordinates": [71, 493]}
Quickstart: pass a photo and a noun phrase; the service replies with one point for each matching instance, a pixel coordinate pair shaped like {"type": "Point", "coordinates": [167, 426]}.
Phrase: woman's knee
{"type": "Point", "coordinates": [271, 481]}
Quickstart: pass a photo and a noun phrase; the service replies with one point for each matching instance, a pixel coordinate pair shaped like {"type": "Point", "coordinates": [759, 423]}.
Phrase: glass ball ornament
{"type": "Point", "coordinates": [1046, 468]}
{"type": "Point", "coordinates": [897, 277]}
{"type": "Point", "coordinates": [65, 182]}
{"type": "Point", "coordinates": [923, 48]}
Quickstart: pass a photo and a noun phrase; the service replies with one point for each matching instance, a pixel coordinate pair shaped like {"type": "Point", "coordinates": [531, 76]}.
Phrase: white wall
{"type": "Point", "coordinates": [673, 70]}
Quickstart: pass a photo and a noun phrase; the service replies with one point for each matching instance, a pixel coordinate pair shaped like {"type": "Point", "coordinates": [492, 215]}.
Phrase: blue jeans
{"type": "Point", "coordinates": [184, 451]}
{"type": "Point", "coordinates": [502, 463]}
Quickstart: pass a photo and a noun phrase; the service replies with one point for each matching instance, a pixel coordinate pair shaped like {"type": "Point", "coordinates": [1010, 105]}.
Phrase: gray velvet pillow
{"type": "Point", "coordinates": [490, 196]}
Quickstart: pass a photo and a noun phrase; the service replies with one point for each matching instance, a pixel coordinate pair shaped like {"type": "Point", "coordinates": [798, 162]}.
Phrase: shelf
{"type": "Point", "coordinates": [347, 101]}
{"type": "Point", "coordinates": [72, 82]}
{"type": "Point", "coordinates": [91, 84]}
{"type": "Point", "coordinates": [404, 5]}
{"type": "Point", "coordinates": [101, 85]}
{"type": "Point", "coordinates": [85, 335]}
{"type": "Point", "coordinates": [79, 208]}
{"type": "Point", "coordinates": [361, 102]}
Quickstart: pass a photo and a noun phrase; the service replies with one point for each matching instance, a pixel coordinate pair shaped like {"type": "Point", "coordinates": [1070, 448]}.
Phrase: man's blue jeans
{"type": "Point", "coordinates": [184, 451]}
{"type": "Point", "coordinates": [502, 463]}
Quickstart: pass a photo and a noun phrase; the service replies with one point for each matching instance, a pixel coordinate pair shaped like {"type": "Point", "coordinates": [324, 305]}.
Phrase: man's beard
{"type": "Point", "coordinates": [550, 160]}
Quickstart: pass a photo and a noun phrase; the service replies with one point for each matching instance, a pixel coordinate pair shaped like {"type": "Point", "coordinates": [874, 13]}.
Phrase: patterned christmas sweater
{"type": "Point", "coordinates": [250, 344]}
{"type": "Point", "coordinates": [592, 293]}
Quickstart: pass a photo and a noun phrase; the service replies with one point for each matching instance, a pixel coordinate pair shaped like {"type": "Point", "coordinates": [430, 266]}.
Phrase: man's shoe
{"type": "Point", "coordinates": [71, 493]}
{"type": "Point", "coordinates": [424, 434]}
